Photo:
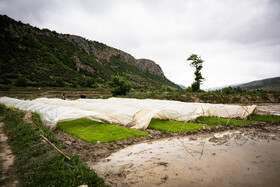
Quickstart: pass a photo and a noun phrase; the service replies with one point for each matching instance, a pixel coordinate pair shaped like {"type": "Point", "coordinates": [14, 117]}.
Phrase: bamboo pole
{"type": "Point", "coordinates": [54, 146]}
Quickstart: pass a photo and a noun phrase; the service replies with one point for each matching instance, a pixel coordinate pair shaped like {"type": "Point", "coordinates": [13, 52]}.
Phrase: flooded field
{"type": "Point", "coordinates": [269, 109]}
{"type": "Point", "coordinates": [226, 156]}
{"type": "Point", "coordinates": [243, 157]}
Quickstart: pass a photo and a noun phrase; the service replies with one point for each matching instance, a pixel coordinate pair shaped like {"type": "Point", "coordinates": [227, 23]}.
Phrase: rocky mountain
{"type": "Point", "coordinates": [47, 58]}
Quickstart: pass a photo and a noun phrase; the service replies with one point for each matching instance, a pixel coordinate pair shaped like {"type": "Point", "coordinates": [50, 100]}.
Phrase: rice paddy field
{"type": "Point", "coordinates": [207, 151]}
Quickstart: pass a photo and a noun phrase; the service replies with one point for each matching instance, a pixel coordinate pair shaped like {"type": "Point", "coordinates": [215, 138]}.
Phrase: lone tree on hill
{"type": "Point", "coordinates": [197, 63]}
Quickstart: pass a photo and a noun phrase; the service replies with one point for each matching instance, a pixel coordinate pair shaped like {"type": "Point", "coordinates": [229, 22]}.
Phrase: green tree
{"type": "Point", "coordinates": [90, 83]}
{"type": "Point", "coordinates": [59, 82]}
{"type": "Point", "coordinates": [229, 90]}
{"type": "Point", "coordinates": [120, 85]}
{"type": "Point", "coordinates": [196, 62]}
{"type": "Point", "coordinates": [21, 82]}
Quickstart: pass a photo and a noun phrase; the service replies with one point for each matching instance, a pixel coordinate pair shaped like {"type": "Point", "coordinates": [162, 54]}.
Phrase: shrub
{"type": "Point", "coordinates": [21, 82]}
{"type": "Point", "coordinates": [228, 90]}
{"type": "Point", "coordinates": [120, 85]}
{"type": "Point", "coordinates": [5, 87]}
{"type": "Point", "coordinates": [90, 83]}
{"type": "Point", "coordinates": [59, 82]}
{"type": "Point", "coordinates": [5, 81]}
{"type": "Point", "coordinates": [189, 89]}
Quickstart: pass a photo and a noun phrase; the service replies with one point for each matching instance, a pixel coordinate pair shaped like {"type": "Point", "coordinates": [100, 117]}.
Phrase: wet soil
{"type": "Point", "coordinates": [239, 157]}
{"type": "Point", "coordinates": [268, 108]}
{"type": "Point", "coordinates": [93, 153]}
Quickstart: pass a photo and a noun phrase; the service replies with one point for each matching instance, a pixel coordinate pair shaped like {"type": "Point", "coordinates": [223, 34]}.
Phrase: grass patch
{"type": "Point", "coordinates": [92, 131]}
{"type": "Point", "coordinates": [221, 121]}
{"type": "Point", "coordinates": [37, 163]}
{"type": "Point", "coordinates": [173, 126]}
{"type": "Point", "coordinates": [264, 118]}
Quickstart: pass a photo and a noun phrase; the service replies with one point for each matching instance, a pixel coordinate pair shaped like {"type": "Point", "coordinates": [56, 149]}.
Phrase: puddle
{"type": "Point", "coordinates": [244, 157]}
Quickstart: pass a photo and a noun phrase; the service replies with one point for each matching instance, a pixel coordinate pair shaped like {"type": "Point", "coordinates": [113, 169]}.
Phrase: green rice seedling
{"type": "Point", "coordinates": [264, 118]}
{"type": "Point", "coordinates": [221, 121]}
{"type": "Point", "coordinates": [173, 126]}
{"type": "Point", "coordinates": [93, 131]}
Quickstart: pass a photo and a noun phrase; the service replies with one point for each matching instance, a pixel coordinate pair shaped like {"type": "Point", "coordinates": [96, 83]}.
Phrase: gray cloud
{"type": "Point", "coordinates": [27, 10]}
{"type": "Point", "coordinates": [239, 40]}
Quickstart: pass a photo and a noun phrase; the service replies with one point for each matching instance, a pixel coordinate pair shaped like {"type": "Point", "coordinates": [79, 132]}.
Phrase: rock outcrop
{"type": "Point", "coordinates": [149, 66]}
{"type": "Point", "coordinates": [104, 52]}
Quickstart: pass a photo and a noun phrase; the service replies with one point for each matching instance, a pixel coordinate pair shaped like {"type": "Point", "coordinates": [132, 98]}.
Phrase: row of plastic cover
{"type": "Point", "coordinates": [134, 113]}
{"type": "Point", "coordinates": [52, 114]}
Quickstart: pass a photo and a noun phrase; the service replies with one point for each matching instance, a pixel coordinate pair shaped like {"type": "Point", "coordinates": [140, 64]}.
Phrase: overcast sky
{"type": "Point", "coordinates": [238, 39]}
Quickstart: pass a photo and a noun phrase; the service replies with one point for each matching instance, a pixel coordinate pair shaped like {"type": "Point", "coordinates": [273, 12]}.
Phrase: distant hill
{"type": "Point", "coordinates": [47, 58]}
{"type": "Point", "coordinates": [182, 86]}
{"type": "Point", "coordinates": [271, 84]}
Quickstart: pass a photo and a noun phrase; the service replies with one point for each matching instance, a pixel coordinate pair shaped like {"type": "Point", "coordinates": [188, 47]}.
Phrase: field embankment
{"type": "Point", "coordinates": [247, 97]}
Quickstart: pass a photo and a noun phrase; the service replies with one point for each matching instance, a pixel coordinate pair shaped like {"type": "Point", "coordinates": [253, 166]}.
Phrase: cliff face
{"type": "Point", "coordinates": [43, 56]}
{"type": "Point", "coordinates": [150, 66]}
{"type": "Point", "coordinates": [103, 52]}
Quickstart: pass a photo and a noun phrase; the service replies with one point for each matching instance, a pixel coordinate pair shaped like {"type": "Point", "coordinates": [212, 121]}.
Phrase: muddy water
{"type": "Point", "coordinates": [247, 157]}
{"type": "Point", "coordinates": [269, 109]}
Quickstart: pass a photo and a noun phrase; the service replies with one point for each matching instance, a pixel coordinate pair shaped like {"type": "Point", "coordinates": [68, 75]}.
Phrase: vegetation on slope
{"type": "Point", "coordinates": [36, 162]}
{"type": "Point", "coordinates": [271, 84]}
{"type": "Point", "coordinates": [46, 58]}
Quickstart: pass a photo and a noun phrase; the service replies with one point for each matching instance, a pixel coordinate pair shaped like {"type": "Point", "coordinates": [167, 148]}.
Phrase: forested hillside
{"type": "Point", "coordinates": [31, 56]}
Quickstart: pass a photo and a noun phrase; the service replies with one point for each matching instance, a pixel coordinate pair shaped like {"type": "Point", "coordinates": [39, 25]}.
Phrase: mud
{"type": "Point", "coordinates": [93, 153]}
{"type": "Point", "coordinates": [268, 109]}
{"type": "Point", "coordinates": [242, 157]}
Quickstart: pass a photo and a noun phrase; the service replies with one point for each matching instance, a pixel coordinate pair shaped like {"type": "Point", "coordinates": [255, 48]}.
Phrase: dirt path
{"type": "Point", "coordinates": [243, 157]}
{"type": "Point", "coordinates": [6, 159]}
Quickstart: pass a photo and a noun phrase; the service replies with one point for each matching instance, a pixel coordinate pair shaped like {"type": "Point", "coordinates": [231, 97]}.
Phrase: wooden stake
{"type": "Point", "coordinates": [54, 146]}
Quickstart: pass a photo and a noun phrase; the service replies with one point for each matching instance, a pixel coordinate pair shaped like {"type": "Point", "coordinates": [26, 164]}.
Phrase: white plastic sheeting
{"type": "Point", "coordinates": [187, 109]}
{"type": "Point", "coordinates": [137, 113]}
{"type": "Point", "coordinates": [184, 110]}
{"type": "Point", "coordinates": [134, 113]}
{"type": "Point", "coordinates": [149, 108]}
{"type": "Point", "coordinates": [51, 114]}
{"type": "Point", "coordinates": [116, 114]}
